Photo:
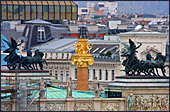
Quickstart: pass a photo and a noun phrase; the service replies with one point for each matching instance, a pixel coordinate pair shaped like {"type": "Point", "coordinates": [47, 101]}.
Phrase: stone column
{"type": "Point", "coordinates": [82, 59]}
{"type": "Point", "coordinates": [109, 75]}
{"type": "Point", "coordinates": [90, 74]}
{"type": "Point", "coordinates": [97, 73]}
{"type": "Point", "coordinates": [103, 75]}
{"type": "Point", "coordinates": [82, 78]}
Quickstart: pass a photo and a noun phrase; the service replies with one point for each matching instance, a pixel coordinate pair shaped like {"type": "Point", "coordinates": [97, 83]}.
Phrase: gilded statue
{"type": "Point", "coordinates": [82, 58]}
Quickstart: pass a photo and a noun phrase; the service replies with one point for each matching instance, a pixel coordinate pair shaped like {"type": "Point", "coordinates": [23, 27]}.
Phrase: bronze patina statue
{"type": "Point", "coordinates": [15, 61]}
{"type": "Point", "coordinates": [12, 59]}
{"type": "Point", "coordinates": [134, 66]}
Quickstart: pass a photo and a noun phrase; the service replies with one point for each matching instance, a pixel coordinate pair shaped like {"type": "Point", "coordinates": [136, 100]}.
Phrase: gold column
{"type": "Point", "coordinates": [82, 59]}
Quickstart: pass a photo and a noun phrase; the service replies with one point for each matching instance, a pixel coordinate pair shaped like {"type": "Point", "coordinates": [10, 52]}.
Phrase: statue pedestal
{"type": "Point", "coordinates": [82, 78]}
{"type": "Point", "coordinates": [148, 88]}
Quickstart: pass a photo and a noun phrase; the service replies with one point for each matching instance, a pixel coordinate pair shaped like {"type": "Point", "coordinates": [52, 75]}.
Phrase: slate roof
{"type": "Point", "coordinates": [11, 33]}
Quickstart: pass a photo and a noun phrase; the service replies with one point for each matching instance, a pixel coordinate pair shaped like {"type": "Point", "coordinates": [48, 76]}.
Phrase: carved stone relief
{"type": "Point", "coordinates": [56, 106]}
{"type": "Point", "coordinates": [5, 106]}
{"type": "Point", "coordinates": [109, 106]}
{"type": "Point", "coordinates": [151, 102]}
{"type": "Point", "coordinates": [33, 107]}
{"type": "Point", "coordinates": [81, 106]}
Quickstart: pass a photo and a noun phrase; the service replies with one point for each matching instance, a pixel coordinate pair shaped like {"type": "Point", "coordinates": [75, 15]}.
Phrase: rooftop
{"type": "Point", "coordinates": [11, 33]}
{"type": "Point", "coordinates": [38, 21]}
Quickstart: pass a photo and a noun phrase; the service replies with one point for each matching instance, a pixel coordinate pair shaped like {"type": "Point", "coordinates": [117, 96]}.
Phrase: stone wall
{"type": "Point", "coordinates": [72, 104]}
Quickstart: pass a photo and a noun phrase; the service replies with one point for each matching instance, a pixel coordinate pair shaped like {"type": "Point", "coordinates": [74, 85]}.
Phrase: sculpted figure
{"type": "Point", "coordinates": [130, 102]}
{"type": "Point", "coordinates": [69, 87]}
{"type": "Point", "coordinates": [164, 104]}
{"type": "Point", "coordinates": [12, 59]}
{"type": "Point", "coordinates": [136, 103]}
{"type": "Point", "coordinates": [145, 104]}
{"type": "Point", "coordinates": [96, 87]}
{"type": "Point", "coordinates": [158, 102]}
{"type": "Point", "coordinates": [88, 47]}
{"type": "Point", "coordinates": [153, 101]}
{"type": "Point", "coordinates": [142, 102]}
{"type": "Point", "coordinates": [77, 46]}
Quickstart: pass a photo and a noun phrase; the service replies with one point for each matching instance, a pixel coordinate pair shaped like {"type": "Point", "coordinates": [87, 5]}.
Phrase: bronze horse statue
{"type": "Point", "coordinates": [27, 61]}
{"type": "Point", "coordinates": [134, 66]}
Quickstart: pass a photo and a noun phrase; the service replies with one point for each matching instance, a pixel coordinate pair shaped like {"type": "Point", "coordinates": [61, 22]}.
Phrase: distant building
{"type": "Point", "coordinates": [108, 7]}
{"type": "Point", "coordinates": [99, 13]}
{"type": "Point", "coordinates": [111, 5]}
{"type": "Point", "coordinates": [46, 10]}
{"type": "Point", "coordinates": [83, 11]}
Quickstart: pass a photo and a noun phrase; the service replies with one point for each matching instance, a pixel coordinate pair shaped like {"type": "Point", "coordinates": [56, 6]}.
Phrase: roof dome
{"type": "Point", "coordinates": [38, 21]}
{"type": "Point", "coordinates": [138, 27]}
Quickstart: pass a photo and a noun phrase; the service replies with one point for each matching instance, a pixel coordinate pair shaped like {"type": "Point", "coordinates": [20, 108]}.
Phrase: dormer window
{"type": "Point", "coordinates": [41, 34]}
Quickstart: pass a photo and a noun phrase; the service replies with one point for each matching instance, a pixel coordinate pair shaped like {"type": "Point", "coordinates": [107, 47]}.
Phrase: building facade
{"type": "Point", "coordinates": [46, 10]}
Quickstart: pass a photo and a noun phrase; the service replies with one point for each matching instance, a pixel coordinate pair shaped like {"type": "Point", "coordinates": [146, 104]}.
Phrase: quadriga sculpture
{"type": "Point", "coordinates": [15, 61]}
{"type": "Point", "coordinates": [134, 66]}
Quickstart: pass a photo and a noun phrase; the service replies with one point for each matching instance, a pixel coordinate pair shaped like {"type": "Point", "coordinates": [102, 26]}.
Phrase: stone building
{"type": "Point", "coordinates": [58, 56]}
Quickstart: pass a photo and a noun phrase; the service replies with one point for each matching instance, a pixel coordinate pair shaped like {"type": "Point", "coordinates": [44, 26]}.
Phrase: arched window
{"type": "Point", "coordinates": [88, 73]}
{"type": "Point", "coordinates": [61, 76]}
{"type": "Point", "coordinates": [67, 75]}
{"type": "Point", "coordinates": [100, 74]}
{"type": "Point", "coordinates": [41, 33]}
{"type": "Point", "coordinates": [56, 75]}
{"type": "Point", "coordinates": [75, 73]}
{"type": "Point", "coordinates": [51, 72]}
{"type": "Point", "coordinates": [94, 74]}
{"type": "Point", "coordinates": [112, 74]}
{"type": "Point", "coordinates": [106, 75]}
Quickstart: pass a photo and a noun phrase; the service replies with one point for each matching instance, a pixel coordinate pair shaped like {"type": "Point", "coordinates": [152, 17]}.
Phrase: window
{"type": "Point", "coordinates": [112, 74]}
{"type": "Point", "coordinates": [21, 9]}
{"type": "Point", "coordinates": [94, 75]}
{"type": "Point", "coordinates": [106, 75]}
{"type": "Point", "coordinates": [51, 72]}
{"type": "Point", "coordinates": [57, 13]}
{"type": "Point", "coordinates": [39, 11]}
{"type": "Point", "coordinates": [51, 56]}
{"type": "Point", "coordinates": [41, 33]}
{"type": "Point", "coordinates": [33, 12]}
{"type": "Point", "coordinates": [63, 12]}
{"type": "Point", "coordinates": [10, 12]}
{"type": "Point", "coordinates": [26, 34]}
{"type": "Point", "coordinates": [68, 12]}
{"type": "Point", "coordinates": [56, 75]}
{"type": "Point", "coordinates": [88, 73]}
{"type": "Point", "coordinates": [56, 55]}
{"type": "Point", "coordinates": [4, 14]}
{"type": "Point", "coordinates": [28, 11]}
{"type": "Point", "coordinates": [67, 75]}
{"type": "Point", "coordinates": [74, 12]}
{"type": "Point", "coordinates": [100, 74]}
{"type": "Point", "coordinates": [51, 14]}
{"type": "Point", "coordinates": [62, 76]}
{"type": "Point", "coordinates": [75, 73]}
{"type": "Point", "coordinates": [67, 56]}
{"type": "Point", "coordinates": [45, 55]}
{"type": "Point", "coordinates": [45, 12]}
{"type": "Point", "coordinates": [84, 10]}
{"type": "Point", "coordinates": [62, 55]}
